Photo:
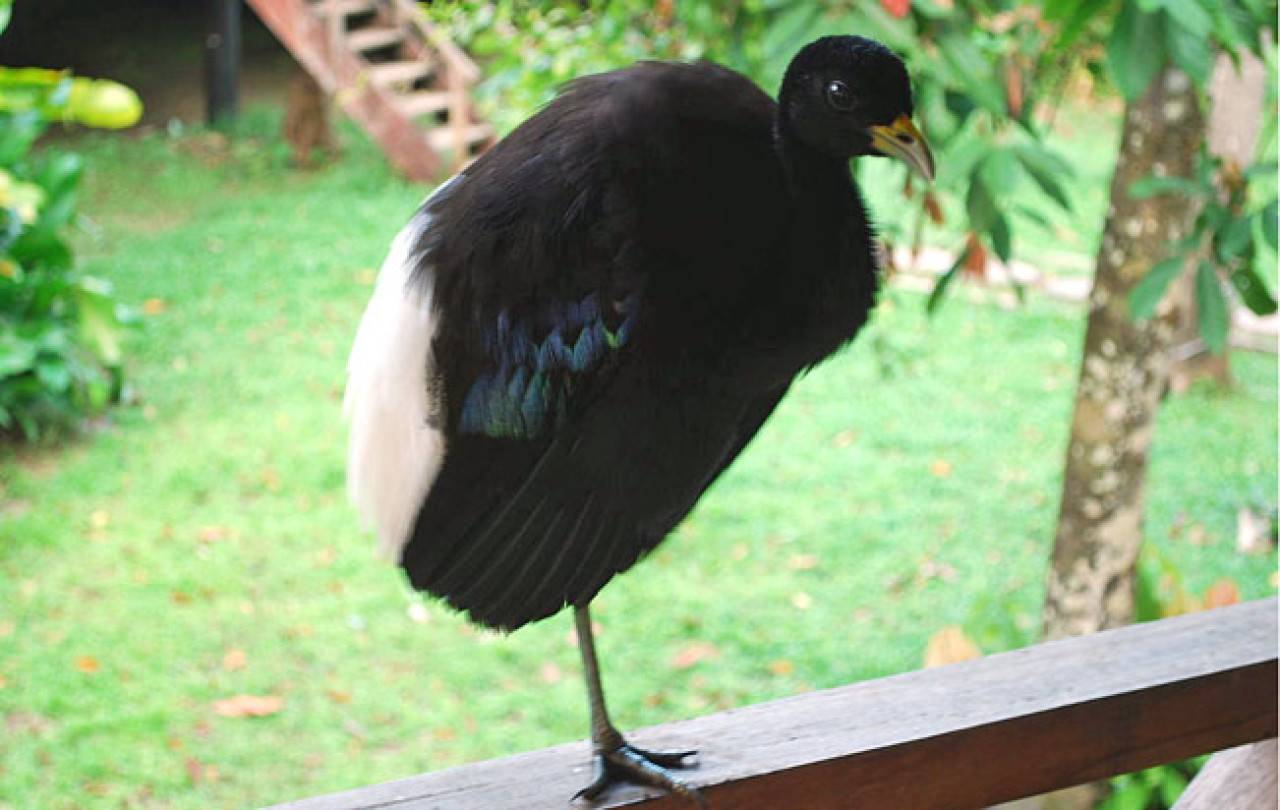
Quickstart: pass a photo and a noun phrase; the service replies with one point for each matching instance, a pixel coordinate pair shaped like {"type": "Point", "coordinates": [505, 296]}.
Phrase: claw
{"type": "Point", "coordinates": [627, 763]}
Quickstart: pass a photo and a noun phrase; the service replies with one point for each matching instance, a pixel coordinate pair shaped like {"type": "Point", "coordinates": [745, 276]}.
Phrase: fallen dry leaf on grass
{"type": "Point", "coordinates": [249, 705]}
{"type": "Point", "coordinates": [803, 562]}
{"type": "Point", "coordinates": [782, 667]}
{"type": "Point", "coordinates": [1221, 593]}
{"type": "Point", "coordinates": [200, 772]}
{"type": "Point", "coordinates": [692, 653]}
{"type": "Point", "coordinates": [948, 646]}
{"type": "Point", "coordinates": [87, 663]}
{"type": "Point", "coordinates": [234, 660]}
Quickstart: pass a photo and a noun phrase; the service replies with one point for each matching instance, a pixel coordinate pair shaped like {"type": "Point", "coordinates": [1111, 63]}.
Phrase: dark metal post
{"type": "Point", "coordinates": [221, 59]}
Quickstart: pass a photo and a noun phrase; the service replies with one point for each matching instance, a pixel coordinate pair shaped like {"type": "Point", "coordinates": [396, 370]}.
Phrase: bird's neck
{"type": "Point", "coordinates": [810, 174]}
{"type": "Point", "coordinates": [829, 283]}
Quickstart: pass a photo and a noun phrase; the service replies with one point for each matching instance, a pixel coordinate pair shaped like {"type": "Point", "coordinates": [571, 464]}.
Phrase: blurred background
{"type": "Point", "coordinates": [195, 198]}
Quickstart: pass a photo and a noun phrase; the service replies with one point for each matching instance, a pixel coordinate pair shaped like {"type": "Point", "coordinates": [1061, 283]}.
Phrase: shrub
{"type": "Point", "coordinates": [60, 330]}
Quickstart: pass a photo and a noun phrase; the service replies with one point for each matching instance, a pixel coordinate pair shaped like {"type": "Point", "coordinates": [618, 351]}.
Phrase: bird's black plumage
{"type": "Point", "coordinates": [624, 288]}
{"type": "Point", "coordinates": [746, 256]}
{"type": "Point", "coordinates": [576, 335]}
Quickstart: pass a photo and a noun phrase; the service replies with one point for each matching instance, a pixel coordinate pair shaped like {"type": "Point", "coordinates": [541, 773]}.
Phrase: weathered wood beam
{"type": "Point", "coordinates": [967, 735]}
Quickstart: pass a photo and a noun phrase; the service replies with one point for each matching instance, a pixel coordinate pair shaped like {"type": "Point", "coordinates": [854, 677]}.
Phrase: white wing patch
{"type": "Point", "coordinates": [394, 455]}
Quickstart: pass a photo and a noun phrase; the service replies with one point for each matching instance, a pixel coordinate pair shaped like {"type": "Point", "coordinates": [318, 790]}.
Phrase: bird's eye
{"type": "Point", "coordinates": [839, 95]}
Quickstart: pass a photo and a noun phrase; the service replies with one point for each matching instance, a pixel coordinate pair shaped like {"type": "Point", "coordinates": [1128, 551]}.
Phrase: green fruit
{"type": "Point", "coordinates": [103, 103]}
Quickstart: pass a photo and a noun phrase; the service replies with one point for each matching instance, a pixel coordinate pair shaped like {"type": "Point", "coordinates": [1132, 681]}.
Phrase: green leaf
{"type": "Point", "coordinates": [1150, 289]}
{"type": "Point", "coordinates": [1261, 171]}
{"type": "Point", "coordinates": [1188, 15]}
{"type": "Point", "coordinates": [41, 247]}
{"type": "Point", "coordinates": [18, 130]}
{"type": "Point", "coordinates": [17, 356]}
{"type": "Point", "coordinates": [1152, 185]}
{"type": "Point", "coordinates": [1000, 172]}
{"type": "Point", "coordinates": [54, 374]}
{"type": "Point", "coordinates": [1132, 796]}
{"type": "Point", "coordinates": [1135, 51]}
{"type": "Point", "coordinates": [1035, 215]}
{"type": "Point", "coordinates": [1215, 314]}
{"type": "Point", "coordinates": [6, 13]}
{"type": "Point", "coordinates": [944, 281]}
{"type": "Point", "coordinates": [1231, 28]}
{"type": "Point", "coordinates": [60, 173]}
{"type": "Point", "coordinates": [870, 19]}
{"type": "Point", "coordinates": [1267, 219]}
{"type": "Point", "coordinates": [972, 71]}
{"type": "Point", "coordinates": [933, 10]}
{"type": "Point", "coordinates": [60, 178]}
{"type": "Point", "coordinates": [1253, 290]}
{"type": "Point", "coordinates": [1045, 167]}
{"type": "Point", "coordinates": [1001, 238]}
{"type": "Point", "coordinates": [10, 227]}
{"type": "Point", "coordinates": [1192, 51]}
{"type": "Point", "coordinates": [98, 321]}
{"type": "Point", "coordinates": [1074, 15]}
{"type": "Point", "coordinates": [1172, 784]}
{"type": "Point", "coordinates": [789, 29]}
{"type": "Point", "coordinates": [1233, 241]}
{"type": "Point", "coordinates": [980, 205]}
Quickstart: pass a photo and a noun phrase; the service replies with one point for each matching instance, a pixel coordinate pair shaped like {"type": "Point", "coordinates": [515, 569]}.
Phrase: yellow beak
{"type": "Point", "coordinates": [903, 141]}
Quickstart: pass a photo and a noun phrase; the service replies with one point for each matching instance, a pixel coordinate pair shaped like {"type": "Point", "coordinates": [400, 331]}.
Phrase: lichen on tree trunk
{"type": "Point", "coordinates": [1123, 373]}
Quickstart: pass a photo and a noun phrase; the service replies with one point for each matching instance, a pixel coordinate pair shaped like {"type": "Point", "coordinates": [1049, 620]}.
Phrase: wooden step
{"type": "Point", "coordinates": [399, 73]}
{"type": "Point", "coordinates": [441, 137]}
{"type": "Point", "coordinates": [423, 102]}
{"type": "Point", "coordinates": [374, 38]}
{"type": "Point", "coordinates": [346, 8]}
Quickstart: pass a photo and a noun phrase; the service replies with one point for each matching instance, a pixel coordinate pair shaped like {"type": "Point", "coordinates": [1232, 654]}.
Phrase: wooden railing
{"type": "Point", "coordinates": [967, 735]}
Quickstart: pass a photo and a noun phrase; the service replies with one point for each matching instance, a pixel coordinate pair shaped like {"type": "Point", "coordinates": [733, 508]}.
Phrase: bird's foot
{"type": "Point", "coordinates": [627, 763]}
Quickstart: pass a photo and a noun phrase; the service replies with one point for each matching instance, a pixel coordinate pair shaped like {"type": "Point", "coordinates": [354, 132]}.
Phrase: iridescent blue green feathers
{"type": "Point", "coordinates": [535, 366]}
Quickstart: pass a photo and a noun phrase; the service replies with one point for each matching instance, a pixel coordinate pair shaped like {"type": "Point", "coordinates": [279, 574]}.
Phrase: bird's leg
{"type": "Point", "coordinates": [616, 760]}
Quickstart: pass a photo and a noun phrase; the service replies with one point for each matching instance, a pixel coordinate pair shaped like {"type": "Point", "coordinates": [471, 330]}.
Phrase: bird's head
{"type": "Point", "coordinates": [845, 96]}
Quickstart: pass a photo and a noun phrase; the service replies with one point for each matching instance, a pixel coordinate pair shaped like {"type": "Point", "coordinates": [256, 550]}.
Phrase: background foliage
{"type": "Point", "coordinates": [60, 351]}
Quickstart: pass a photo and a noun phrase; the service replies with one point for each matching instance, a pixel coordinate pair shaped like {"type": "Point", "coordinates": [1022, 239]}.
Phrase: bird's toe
{"type": "Point", "coordinates": [627, 763]}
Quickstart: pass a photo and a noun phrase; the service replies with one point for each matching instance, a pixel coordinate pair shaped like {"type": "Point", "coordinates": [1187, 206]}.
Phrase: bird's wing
{"type": "Point", "coordinates": [571, 299]}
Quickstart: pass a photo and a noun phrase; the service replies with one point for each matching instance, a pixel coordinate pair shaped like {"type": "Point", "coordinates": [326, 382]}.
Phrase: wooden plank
{"type": "Point", "coordinates": [374, 38]}
{"type": "Point", "coordinates": [1243, 778]}
{"type": "Point", "coordinates": [343, 8]}
{"type": "Point", "coordinates": [967, 735]}
{"type": "Point", "coordinates": [397, 73]}
{"type": "Point", "coordinates": [451, 139]}
{"type": "Point", "coordinates": [423, 102]}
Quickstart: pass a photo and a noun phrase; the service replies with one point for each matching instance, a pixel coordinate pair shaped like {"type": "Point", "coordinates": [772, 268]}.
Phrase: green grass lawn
{"type": "Point", "coordinates": [198, 545]}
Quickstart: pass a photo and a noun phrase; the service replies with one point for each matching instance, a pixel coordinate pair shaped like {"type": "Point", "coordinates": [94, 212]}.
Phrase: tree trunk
{"type": "Point", "coordinates": [307, 125]}
{"type": "Point", "coordinates": [1123, 375]}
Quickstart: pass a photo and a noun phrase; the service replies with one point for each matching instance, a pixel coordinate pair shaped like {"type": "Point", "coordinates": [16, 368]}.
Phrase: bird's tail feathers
{"type": "Point", "coordinates": [394, 453]}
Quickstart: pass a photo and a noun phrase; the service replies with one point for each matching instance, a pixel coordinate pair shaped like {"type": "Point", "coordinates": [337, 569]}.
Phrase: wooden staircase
{"type": "Point", "coordinates": [397, 75]}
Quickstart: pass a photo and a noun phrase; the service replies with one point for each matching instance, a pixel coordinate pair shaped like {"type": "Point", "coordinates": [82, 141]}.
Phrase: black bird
{"type": "Point", "coordinates": [574, 337]}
